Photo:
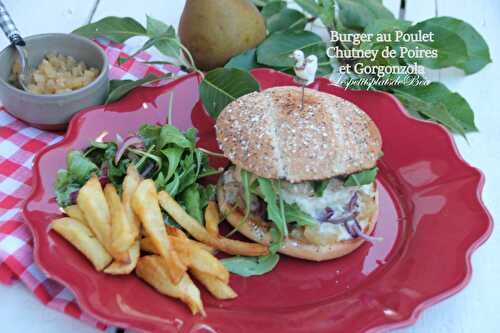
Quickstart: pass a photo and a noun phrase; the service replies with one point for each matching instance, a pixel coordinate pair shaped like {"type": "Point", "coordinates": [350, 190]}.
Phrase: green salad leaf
{"type": "Point", "coordinates": [362, 178]}
{"type": "Point", "coordinates": [294, 214]}
{"type": "Point", "coordinates": [274, 207]}
{"type": "Point", "coordinates": [320, 186]}
{"type": "Point", "coordinates": [251, 266]}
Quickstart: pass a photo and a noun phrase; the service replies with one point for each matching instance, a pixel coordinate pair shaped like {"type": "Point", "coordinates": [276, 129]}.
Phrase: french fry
{"type": "Point", "coordinates": [192, 256]}
{"type": "Point", "coordinates": [145, 205]}
{"type": "Point", "coordinates": [196, 257]}
{"type": "Point", "coordinates": [196, 230]}
{"type": "Point", "coordinates": [216, 287]}
{"type": "Point", "coordinates": [75, 213]}
{"type": "Point", "coordinates": [147, 245]}
{"type": "Point", "coordinates": [81, 237]}
{"type": "Point", "coordinates": [122, 228]}
{"type": "Point", "coordinates": [120, 268]}
{"type": "Point", "coordinates": [151, 270]}
{"type": "Point", "coordinates": [212, 219]}
{"type": "Point", "coordinates": [94, 207]}
{"type": "Point", "coordinates": [130, 183]}
{"type": "Point", "coordinates": [204, 246]}
{"type": "Point", "coordinates": [176, 232]}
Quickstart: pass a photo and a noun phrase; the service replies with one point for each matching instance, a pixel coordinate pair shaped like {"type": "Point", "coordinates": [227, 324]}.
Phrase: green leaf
{"type": "Point", "coordinates": [224, 85]}
{"type": "Point", "coordinates": [436, 98]}
{"type": "Point", "coordinates": [173, 155]}
{"type": "Point", "coordinates": [190, 198]}
{"type": "Point", "coordinates": [172, 187]}
{"type": "Point", "coordinates": [448, 44]}
{"type": "Point", "coordinates": [63, 188]}
{"type": "Point", "coordinates": [251, 266]}
{"type": "Point", "coordinates": [79, 167]}
{"type": "Point", "coordinates": [117, 29]}
{"type": "Point", "coordinates": [156, 27]}
{"type": "Point", "coordinates": [286, 19]}
{"type": "Point", "coordinates": [120, 88]}
{"type": "Point", "coordinates": [247, 195]}
{"type": "Point", "coordinates": [357, 14]}
{"type": "Point", "coordinates": [327, 13]}
{"type": "Point", "coordinates": [207, 193]}
{"type": "Point", "coordinates": [274, 211]}
{"type": "Point", "coordinates": [276, 49]}
{"type": "Point", "coordinates": [293, 213]}
{"type": "Point", "coordinates": [244, 61]}
{"type": "Point", "coordinates": [310, 6]}
{"type": "Point", "coordinates": [172, 135]}
{"type": "Point", "coordinates": [319, 187]}
{"type": "Point", "coordinates": [273, 8]}
{"type": "Point", "coordinates": [478, 53]}
{"type": "Point", "coordinates": [362, 178]}
{"type": "Point", "coordinates": [386, 26]}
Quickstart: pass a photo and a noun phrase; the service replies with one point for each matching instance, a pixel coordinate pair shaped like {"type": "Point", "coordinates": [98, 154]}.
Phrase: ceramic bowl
{"type": "Point", "coordinates": [53, 112]}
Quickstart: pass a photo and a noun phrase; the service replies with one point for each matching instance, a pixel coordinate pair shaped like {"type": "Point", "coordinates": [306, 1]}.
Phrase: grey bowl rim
{"type": "Point", "coordinates": [75, 93]}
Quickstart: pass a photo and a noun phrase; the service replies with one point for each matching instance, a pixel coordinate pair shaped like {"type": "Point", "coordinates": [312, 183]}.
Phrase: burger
{"type": "Point", "coordinates": [302, 178]}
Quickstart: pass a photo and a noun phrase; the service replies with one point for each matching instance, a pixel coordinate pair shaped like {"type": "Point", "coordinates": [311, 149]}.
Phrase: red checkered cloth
{"type": "Point", "coordinates": [18, 145]}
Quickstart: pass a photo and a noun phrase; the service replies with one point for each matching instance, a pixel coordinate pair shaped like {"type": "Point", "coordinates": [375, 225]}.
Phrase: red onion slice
{"type": "Point", "coordinates": [130, 141]}
{"type": "Point", "coordinates": [355, 230]}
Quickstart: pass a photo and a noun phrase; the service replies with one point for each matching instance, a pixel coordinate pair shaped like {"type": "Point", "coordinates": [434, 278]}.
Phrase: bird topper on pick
{"type": "Point", "coordinates": [305, 69]}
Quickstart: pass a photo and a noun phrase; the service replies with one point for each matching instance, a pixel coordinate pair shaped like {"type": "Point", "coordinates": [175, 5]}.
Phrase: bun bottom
{"type": "Point", "coordinates": [254, 230]}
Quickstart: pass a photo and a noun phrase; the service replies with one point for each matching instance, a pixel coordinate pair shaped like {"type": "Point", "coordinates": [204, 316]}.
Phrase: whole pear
{"type": "Point", "coordinates": [216, 30]}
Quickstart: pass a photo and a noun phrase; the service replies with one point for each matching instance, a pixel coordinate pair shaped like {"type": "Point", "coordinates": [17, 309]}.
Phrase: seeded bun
{"type": "Point", "coordinates": [258, 232]}
{"type": "Point", "coordinates": [269, 135]}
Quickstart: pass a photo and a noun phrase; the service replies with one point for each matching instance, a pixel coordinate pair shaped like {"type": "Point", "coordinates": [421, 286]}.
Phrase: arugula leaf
{"type": "Point", "coordinates": [274, 211]}
{"type": "Point", "coordinates": [222, 86]}
{"type": "Point", "coordinates": [207, 193]}
{"type": "Point", "coordinates": [173, 154]}
{"type": "Point", "coordinates": [319, 187]}
{"type": "Point", "coordinates": [191, 200]}
{"type": "Point", "coordinates": [251, 266]}
{"type": "Point", "coordinates": [63, 188]}
{"type": "Point", "coordinates": [293, 213]}
{"type": "Point", "coordinates": [120, 88]}
{"type": "Point", "coordinates": [362, 178]}
{"type": "Point", "coordinates": [79, 170]}
{"type": "Point", "coordinates": [79, 167]}
{"type": "Point", "coordinates": [117, 29]}
{"type": "Point", "coordinates": [247, 195]}
{"type": "Point", "coordinates": [172, 135]}
{"type": "Point", "coordinates": [172, 187]}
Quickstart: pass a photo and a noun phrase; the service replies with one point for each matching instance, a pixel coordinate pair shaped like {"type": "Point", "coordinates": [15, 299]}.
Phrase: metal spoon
{"type": "Point", "coordinates": [10, 30]}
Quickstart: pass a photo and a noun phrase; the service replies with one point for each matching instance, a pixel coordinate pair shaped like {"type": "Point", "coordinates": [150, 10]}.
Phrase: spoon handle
{"type": "Point", "coordinates": [9, 28]}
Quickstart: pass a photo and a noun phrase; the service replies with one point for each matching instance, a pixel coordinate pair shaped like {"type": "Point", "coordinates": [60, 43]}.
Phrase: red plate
{"type": "Point", "coordinates": [431, 219]}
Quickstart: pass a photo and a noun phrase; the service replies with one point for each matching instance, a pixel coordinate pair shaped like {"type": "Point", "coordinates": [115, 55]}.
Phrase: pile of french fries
{"type": "Point", "coordinates": [113, 231]}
